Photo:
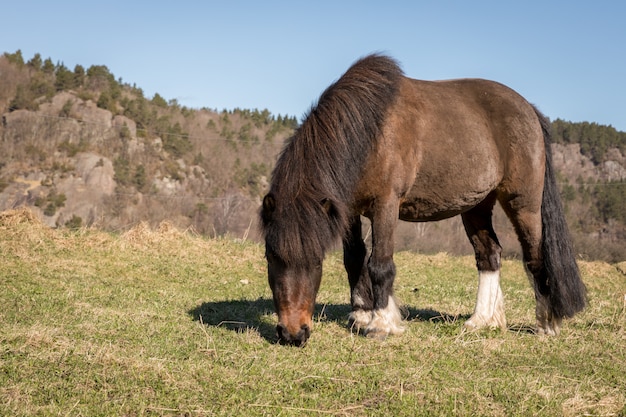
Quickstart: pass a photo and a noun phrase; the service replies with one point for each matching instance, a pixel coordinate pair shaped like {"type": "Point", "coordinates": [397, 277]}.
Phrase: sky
{"type": "Point", "coordinates": [566, 57]}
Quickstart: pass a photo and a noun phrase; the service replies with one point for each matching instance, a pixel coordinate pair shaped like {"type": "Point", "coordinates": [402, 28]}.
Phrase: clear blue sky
{"type": "Point", "coordinates": [567, 57]}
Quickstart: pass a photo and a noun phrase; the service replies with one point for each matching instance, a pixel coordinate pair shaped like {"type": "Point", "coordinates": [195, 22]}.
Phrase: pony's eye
{"type": "Point", "coordinates": [271, 256]}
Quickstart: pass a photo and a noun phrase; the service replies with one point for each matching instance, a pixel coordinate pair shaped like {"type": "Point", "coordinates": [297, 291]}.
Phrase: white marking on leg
{"type": "Point", "coordinates": [386, 321]}
{"type": "Point", "coordinates": [359, 318]}
{"type": "Point", "coordinates": [489, 311]}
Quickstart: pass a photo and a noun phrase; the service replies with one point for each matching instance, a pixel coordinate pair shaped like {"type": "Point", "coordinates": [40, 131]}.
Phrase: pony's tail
{"type": "Point", "coordinates": [560, 278]}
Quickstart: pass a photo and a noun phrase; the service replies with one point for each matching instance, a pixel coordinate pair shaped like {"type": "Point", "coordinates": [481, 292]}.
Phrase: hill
{"type": "Point", "coordinates": [81, 148]}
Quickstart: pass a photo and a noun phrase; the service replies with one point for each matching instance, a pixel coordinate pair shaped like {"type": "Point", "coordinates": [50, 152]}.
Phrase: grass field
{"type": "Point", "coordinates": [168, 323]}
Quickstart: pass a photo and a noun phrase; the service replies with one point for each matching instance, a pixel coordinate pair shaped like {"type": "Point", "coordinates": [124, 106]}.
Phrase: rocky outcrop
{"type": "Point", "coordinates": [85, 190]}
{"type": "Point", "coordinates": [572, 164]}
{"type": "Point", "coordinates": [56, 134]}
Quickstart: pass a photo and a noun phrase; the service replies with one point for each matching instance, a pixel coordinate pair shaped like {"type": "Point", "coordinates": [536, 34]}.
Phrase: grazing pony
{"type": "Point", "coordinates": [388, 147]}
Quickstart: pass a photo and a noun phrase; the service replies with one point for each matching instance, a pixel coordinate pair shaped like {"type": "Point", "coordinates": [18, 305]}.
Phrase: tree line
{"type": "Point", "coordinates": [99, 84]}
{"type": "Point", "coordinates": [594, 139]}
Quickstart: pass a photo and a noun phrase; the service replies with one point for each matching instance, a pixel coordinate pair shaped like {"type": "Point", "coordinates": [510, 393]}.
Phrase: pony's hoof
{"type": "Point", "coordinates": [470, 326]}
{"type": "Point", "coordinates": [359, 319]}
{"type": "Point", "coordinates": [476, 323]}
{"type": "Point", "coordinates": [379, 329]}
{"type": "Point", "coordinates": [549, 328]}
{"type": "Point", "coordinates": [376, 334]}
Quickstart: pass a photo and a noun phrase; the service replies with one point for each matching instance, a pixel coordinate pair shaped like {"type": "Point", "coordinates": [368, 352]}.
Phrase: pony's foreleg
{"type": "Point", "coordinates": [386, 316]}
{"type": "Point", "coordinates": [354, 255]}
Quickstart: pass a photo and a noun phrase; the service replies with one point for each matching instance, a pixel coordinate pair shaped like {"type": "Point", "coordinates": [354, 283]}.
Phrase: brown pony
{"type": "Point", "coordinates": [385, 146]}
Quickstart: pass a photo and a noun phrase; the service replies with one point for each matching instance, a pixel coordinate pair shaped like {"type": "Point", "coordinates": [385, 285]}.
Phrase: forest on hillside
{"type": "Point", "coordinates": [82, 148]}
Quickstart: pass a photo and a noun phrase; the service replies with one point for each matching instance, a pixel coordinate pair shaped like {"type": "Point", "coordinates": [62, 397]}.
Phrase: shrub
{"type": "Point", "coordinates": [75, 223]}
{"type": "Point", "coordinates": [140, 179]}
{"type": "Point", "coordinates": [52, 202]}
{"type": "Point", "coordinates": [66, 109]}
{"type": "Point", "coordinates": [121, 166]}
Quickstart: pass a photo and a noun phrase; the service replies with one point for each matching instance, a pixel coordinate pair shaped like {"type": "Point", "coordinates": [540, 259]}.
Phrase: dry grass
{"type": "Point", "coordinates": [164, 322]}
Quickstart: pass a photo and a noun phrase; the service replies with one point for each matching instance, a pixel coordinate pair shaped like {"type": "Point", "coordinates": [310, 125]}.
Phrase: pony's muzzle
{"type": "Point", "coordinates": [287, 338]}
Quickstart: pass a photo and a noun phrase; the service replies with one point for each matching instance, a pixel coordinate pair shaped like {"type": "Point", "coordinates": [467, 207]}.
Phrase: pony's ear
{"type": "Point", "coordinates": [329, 207]}
{"type": "Point", "coordinates": [269, 205]}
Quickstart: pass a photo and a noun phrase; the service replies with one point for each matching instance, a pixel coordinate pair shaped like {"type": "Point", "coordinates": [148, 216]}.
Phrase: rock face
{"type": "Point", "coordinates": [96, 172]}
{"type": "Point", "coordinates": [86, 190]}
{"type": "Point", "coordinates": [72, 159]}
{"type": "Point", "coordinates": [119, 122]}
{"type": "Point", "coordinates": [57, 133]}
{"type": "Point", "coordinates": [615, 165]}
{"type": "Point", "coordinates": [571, 163]}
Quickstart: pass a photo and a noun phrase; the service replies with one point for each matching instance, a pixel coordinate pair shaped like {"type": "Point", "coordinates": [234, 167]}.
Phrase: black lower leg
{"type": "Point", "coordinates": [382, 274]}
{"type": "Point", "coordinates": [354, 253]}
{"type": "Point", "coordinates": [479, 229]}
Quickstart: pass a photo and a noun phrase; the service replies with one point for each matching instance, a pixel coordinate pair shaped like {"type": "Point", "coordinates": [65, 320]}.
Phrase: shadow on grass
{"type": "Point", "coordinates": [522, 329]}
{"type": "Point", "coordinates": [241, 315]}
{"type": "Point", "coordinates": [238, 316]}
{"type": "Point", "coordinates": [434, 316]}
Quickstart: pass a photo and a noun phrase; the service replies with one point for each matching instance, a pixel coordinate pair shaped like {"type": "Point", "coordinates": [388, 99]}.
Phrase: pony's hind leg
{"type": "Point", "coordinates": [527, 224]}
{"type": "Point", "coordinates": [354, 255]}
{"type": "Point", "coordinates": [489, 310]}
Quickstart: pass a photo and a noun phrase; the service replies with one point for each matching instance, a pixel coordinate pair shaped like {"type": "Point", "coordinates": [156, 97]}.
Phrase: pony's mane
{"type": "Point", "coordinates": [323, 161]}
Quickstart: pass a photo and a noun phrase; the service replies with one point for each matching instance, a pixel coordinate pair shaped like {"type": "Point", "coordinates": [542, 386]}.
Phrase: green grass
{"type": "Point", "coordinates": [168, 323]}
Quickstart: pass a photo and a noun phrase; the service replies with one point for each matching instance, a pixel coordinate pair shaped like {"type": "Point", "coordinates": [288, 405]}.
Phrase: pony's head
{"type": "Point", "coordinates": [297, 235]}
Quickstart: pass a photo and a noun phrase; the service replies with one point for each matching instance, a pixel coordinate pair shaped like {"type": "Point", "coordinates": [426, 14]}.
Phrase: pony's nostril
{"type": "Point", "coordinates": [282, 333]}
{"type": "Point", "coordinates": [306, 331]}
{"type": "Point", "coordinates": [302, 336]}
